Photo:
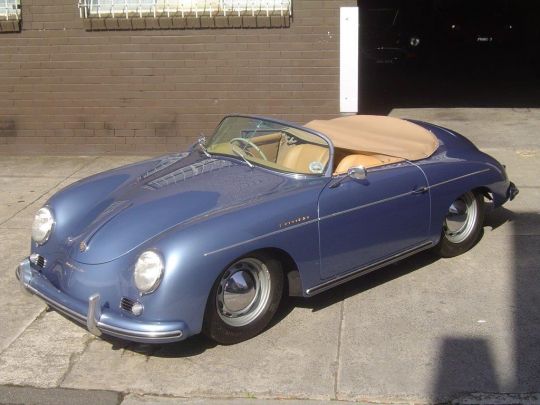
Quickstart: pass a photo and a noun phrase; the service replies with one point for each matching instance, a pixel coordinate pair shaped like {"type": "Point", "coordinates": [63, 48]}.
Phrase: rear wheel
{"type": "Point", "coordinates": [462, 227]}
{"type": "Point", "coordinates": [244, 299]}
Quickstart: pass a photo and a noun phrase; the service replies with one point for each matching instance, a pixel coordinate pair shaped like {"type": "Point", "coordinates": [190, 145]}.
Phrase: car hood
{"type": "Point", "coordinates": [185, 192]}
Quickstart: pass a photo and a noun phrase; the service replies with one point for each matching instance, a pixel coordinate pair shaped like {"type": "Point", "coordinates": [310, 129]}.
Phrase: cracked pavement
{"type": "Point", "coordinates": [423, 330]}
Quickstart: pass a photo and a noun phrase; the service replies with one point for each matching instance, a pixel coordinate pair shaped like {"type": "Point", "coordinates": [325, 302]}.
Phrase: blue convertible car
{"type": "Point", "coordinates": [210, 240]}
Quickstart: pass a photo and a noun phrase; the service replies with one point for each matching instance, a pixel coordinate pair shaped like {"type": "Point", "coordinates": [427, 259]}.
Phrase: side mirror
{"type": "Point", "coordinates": [357, 173]}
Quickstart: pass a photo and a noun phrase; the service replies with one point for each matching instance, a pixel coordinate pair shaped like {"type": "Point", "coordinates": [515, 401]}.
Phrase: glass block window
{"type": "Point", "coordinates": [182, 8]}
{"type": "Point", "coordinates": [10, 10]}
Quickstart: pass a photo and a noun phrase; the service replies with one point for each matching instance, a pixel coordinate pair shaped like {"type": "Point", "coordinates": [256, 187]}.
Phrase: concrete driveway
{"type": "Point", "coordinates": [423, 330]}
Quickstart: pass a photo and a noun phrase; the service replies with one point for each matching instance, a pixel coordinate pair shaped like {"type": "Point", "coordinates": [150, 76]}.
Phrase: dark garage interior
{"type": "Point", "coordinates": [449, 53]}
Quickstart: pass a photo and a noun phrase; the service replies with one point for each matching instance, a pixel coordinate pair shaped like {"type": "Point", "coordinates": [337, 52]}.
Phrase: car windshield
{"type": "Point", "coordinates": [272, 145]}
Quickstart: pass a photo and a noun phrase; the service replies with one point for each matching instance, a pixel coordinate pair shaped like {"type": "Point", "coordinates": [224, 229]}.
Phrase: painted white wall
{"type": "Point", "coordinates": [349, 48]}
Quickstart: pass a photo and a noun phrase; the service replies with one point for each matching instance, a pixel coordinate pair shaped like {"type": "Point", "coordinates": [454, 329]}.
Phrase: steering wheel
{"type": "Point", "coordinates": [249, 143]}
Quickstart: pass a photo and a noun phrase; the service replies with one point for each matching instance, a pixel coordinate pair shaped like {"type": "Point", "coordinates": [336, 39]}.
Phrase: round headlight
{"type": "Point", "coordinates": [42, 226]}
{"type": "Point", "coordinates": [148, 271]}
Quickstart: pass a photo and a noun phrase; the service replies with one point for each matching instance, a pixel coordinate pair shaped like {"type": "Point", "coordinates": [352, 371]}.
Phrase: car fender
{"type": "Point", "coordinates": [196, 254]}
{"type": "Point", "coordinates": [456, 168]}
{"type": "Point", "coordinates": [448, 181]}
{"type": "Point", "coordinates": [76, 204]}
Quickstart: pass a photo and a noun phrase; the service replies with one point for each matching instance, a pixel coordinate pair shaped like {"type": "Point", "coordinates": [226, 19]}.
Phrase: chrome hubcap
{"type": "Point", "coordinates": [243, 292]}
{"type": "Point", "coordinates": [461, 218]}
{"type": "Point", "coordinates": [238, 292]}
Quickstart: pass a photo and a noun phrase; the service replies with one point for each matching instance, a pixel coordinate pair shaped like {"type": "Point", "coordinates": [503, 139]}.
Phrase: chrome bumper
{"type": "Point", "coordinates": [97, 321]}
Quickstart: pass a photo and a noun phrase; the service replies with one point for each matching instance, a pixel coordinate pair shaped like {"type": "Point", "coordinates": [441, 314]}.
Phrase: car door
{"type": "Point", "coordinates": [364, 221]}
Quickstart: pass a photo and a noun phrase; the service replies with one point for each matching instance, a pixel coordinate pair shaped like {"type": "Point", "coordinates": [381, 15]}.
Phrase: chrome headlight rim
{"type": "Point", "coordinates": [45, 239]}
{"type": "Point", "coordinates": [158, 278]}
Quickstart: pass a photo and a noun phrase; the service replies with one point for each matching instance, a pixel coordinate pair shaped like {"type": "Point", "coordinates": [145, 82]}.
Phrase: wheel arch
{"type": "Point", "coordinates": [289, 269]}
{"type": "Point", "coordinates": [293, 282]}
{"type": "Point", "coordinates": [291, 273]}
{"type": "Point", "coordinates": [485, 191]}
{"type": "Point", "coordinates": [454, 194]}
{"type": "Point", "coordinates": [469, 230]}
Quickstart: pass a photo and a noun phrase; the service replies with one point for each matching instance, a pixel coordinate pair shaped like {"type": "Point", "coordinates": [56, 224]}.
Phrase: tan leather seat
{"type": "Point", "coordinates": [299, 157]}
{"type": "Point", "coordinates": [357, 160]}
{"type": "Point", "coordinates": [268, 144]}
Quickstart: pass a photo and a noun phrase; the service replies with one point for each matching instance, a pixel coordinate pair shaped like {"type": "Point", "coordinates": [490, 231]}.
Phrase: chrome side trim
{"type": "Point", "coordinates": [459, 178]}
{"type": "Point", "coordinates": [335, 214]}
{"type": "Point", "coordinates": [367, 269]}
{"type": "Point", "coordinates": [307, 223]}
{"type": "Point", "coordinates": [262, 237]}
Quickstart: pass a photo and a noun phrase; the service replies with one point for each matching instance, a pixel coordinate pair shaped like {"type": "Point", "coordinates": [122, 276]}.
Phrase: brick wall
{"type": "Point", "coordinates": [66, 90]}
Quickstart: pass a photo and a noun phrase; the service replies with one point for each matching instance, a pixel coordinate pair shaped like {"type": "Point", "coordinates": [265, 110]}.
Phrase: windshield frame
{"type": "Point", "coordinates": [328, 170]}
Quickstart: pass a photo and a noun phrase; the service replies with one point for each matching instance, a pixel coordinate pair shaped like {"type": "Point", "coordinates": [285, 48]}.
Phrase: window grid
{"type": "Point", "coordinates": [10, 10]}
{"type": "Point", "coordinates": [182, 8]}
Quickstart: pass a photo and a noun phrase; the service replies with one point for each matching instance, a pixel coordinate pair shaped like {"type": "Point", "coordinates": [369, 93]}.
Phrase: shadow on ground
{"type": "Point", "coordinates": [467, 364]}
{"type": "Point", "coordinates": [198, 344]}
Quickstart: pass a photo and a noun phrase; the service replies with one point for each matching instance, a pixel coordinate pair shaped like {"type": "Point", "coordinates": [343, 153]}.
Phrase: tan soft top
{"type": "Point", "coordinates": [378, 134]}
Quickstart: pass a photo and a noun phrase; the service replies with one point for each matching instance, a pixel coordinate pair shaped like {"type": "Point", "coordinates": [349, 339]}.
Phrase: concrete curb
{"type": "Point", "coordinates": [499, 399]}
{"type": "Point", "coordinates": [14, 395]}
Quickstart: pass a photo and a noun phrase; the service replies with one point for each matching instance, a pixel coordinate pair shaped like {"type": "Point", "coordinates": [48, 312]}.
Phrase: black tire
{"type": "Point", "coordinates": [223, 327]}
{"type": "Point", "coordinates": [454, 245]}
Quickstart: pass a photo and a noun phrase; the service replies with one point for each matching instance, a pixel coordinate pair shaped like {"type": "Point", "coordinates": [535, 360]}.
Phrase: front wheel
{"type": "Point", "coordinates": [244, 299]}
{"type": "Point", "coordinates": [462, 227]}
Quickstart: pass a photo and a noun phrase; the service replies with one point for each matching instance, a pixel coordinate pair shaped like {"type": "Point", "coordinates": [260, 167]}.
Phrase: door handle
{"type": "Point", "coordinates": [420, 190]}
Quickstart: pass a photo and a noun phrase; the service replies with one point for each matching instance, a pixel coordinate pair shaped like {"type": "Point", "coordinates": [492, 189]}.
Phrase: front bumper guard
{"type": "Point", "coordinates": [96, 320]}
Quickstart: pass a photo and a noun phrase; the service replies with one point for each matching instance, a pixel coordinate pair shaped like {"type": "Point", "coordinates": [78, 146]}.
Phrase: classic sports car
{"type": "Point", "coordinates": [210, 240]}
